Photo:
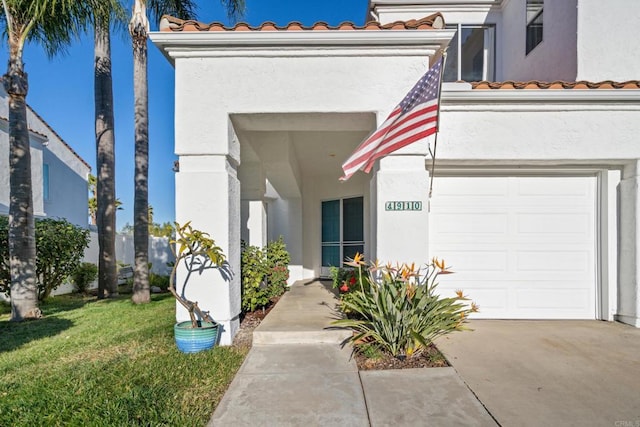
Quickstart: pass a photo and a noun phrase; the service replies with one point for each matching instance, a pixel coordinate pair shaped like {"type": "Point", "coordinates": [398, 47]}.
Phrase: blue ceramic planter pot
{"type": "Point", "coordinates": [193, 340]}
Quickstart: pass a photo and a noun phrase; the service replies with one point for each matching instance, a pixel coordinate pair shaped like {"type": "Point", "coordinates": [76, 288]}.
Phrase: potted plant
{"type": "Point", "coordinates": [197, 251]}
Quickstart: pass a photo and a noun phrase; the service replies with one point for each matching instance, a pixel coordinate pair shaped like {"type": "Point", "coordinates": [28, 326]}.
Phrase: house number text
{"type": "Point", "coordinates": [403, 206]}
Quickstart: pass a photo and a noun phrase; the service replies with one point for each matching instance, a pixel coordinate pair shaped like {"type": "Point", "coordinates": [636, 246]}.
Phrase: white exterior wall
{"type": "Point", "coordinates": [555, 57]}
{"type": "Point", "coordinates": [520, 125]}
{"type": "Point", "coordinates": [607, 35]}
{"type": "Point", "coordinates": [68, 174]}
{"type": "Point", "coordinates": [36, 144]}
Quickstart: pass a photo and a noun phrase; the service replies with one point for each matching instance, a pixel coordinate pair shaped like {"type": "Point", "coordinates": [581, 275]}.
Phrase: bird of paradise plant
{"type": "Point", "coordinates": [397, 309]}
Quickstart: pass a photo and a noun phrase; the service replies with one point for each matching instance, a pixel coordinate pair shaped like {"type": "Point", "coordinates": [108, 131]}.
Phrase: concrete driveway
{"type": "Point", "coordinates": [551, 373]}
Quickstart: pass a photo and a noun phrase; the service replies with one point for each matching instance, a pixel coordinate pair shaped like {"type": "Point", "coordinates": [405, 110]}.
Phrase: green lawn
{"type": "Point", "coordinates": [107, 363]}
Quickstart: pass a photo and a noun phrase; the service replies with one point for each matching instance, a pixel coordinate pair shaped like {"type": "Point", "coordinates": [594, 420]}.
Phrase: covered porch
{"type": "Point", "coordinates": [264, 120]}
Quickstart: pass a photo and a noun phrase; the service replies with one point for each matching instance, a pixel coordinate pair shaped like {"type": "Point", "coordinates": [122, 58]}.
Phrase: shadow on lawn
{"type": "Point", "coordinates": [16, 334]}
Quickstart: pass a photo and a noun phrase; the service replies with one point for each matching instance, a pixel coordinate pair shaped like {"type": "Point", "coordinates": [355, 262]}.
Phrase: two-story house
{"type": "Point", "coordinates": [59, 174]}
{"type": "Point", "coordinates": [536, 190]}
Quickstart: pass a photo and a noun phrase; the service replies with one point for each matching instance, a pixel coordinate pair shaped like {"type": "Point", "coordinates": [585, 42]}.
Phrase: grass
{"type": "Point", "coordinates": [107, 363]}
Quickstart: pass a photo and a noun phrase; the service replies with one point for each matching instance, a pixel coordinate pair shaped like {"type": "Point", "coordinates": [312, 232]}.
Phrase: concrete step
{"type": "Point", "coordinates": [304, 315]}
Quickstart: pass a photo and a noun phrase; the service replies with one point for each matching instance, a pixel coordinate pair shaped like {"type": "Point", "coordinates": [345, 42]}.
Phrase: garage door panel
{"type": "Point", "coordinates": [490, 300]}
{"type": "Point", "coordinates": [567, 186]}
{"type": "Point", "coordinates": [471, 222]}
{"type": "Point", "coordinates": [463, 187]}
{"type": "Point", "coordinates": [474, 262]}
{"type": "Point", "coordinates": [541, 299]}
{"type": "Point", "coordinates": [551, 224]}
{"type": "Point", "coordinates": [525, 251]}
{"type": "Point", "coordinates": [555, 261]}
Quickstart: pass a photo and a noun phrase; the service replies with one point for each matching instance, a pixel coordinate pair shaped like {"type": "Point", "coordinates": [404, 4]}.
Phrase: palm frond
{"type": "Point", "coordinates": [186, 9]}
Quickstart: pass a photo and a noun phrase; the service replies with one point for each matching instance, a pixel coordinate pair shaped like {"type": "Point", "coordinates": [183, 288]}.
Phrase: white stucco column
{"type": "Point", "coordinates": [401, 187]}
{"type": "Point", "coordinates": [629, 244]}
{"type": "Point", "coordinates": [253, 224]}
{"type": "Point", "coordinates": [208, 195]}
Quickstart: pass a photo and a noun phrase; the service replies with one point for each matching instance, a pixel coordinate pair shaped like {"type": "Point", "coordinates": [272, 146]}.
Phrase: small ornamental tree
{"type": "Point", "coordinates": [60, 247]}
{"type": "Point", "coordinates": [197, 251]}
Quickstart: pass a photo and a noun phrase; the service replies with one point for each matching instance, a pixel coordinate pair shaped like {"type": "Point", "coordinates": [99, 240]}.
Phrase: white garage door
{"type": "Point", "coordinates": [521, 247]}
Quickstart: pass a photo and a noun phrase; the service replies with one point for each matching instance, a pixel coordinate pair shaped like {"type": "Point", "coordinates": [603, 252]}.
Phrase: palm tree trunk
{"type": "Point", "coordinates": [22, 246]}
{"type": "Point", "coordinates": [139, 27]}
{"type": "Point", "coordinates": [105, 147]}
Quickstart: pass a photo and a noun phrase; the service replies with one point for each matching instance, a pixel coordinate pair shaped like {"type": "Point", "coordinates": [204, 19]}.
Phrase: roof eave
{"type": "Point", "coordinates": [628, 96]}
{"type": "Point", "coordinates": [186, 44]}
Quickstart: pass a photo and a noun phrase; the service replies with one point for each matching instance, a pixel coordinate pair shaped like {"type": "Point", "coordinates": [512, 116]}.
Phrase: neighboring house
{"type": "Point", "coordinates": [59, 175]}
{"type": "Point", "coordinates": [536, 197]}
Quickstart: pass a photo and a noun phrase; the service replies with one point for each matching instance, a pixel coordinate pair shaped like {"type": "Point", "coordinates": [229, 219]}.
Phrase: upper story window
{"type": "Point", "coordinates": [45, 182]}
{"type": "Point", "coordinates": [471, 53]}
{"type": "Point", "coordinates": [534, 23]}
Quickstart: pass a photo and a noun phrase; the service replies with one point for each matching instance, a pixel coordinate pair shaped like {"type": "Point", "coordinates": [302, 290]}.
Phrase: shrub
{"type": "Point", "coordinates": [60, 246]}
{"type": "Point", "coordinates": [254, 286]}
{"type": "Point", "coordinates": [264, 273]}
{"type": "Point", "coordinates": [397, 309]}
{"type": "Point", "coordinates": [84, 275]}
{"type": "Point", "coordinates": [277, 267]}
{"type": "Point", "coordinates": [158, 280]}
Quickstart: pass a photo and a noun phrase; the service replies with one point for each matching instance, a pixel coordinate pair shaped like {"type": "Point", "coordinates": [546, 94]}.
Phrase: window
{"type": "Point", "coordinates": [470, 56]}
{"type": "Point", "coordinates": [342, 231]}
{"type": "Point", "coordinates": [45, 182]}
{"type": "Point", "coordinates": [534, 23]}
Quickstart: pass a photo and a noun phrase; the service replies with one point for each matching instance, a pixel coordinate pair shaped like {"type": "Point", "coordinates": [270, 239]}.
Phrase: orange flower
{"type": "Point", "coordinates": [438, 263]}
{"type": "Point", "coordinates": [356, 261]}
{"type": "Point", "coordinates": [459, 293]}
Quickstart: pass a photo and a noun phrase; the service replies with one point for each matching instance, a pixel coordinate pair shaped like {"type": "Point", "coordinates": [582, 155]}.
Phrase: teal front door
{"type": "Point", "coordinates": [342, 232]}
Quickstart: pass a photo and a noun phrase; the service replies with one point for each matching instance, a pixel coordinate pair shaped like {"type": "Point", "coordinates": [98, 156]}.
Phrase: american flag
{"type": "Point", "coordinates": [416, 117]}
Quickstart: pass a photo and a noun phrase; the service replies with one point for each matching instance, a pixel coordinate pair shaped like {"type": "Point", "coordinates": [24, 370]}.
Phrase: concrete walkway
{"type": "Point", "coordinates": [296, 374]}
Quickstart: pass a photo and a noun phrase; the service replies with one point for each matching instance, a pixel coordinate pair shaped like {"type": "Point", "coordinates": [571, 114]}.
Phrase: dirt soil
{"type": "Point", "coordinates": [250, 321]}
{"type": "Point", "coordinates": [430, 358]}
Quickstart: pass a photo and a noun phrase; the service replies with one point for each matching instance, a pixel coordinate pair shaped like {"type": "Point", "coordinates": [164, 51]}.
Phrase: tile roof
{"type": "Point", "coordinates": [535, 84]}
{"type": "Point", "coordinates": [431, 22]}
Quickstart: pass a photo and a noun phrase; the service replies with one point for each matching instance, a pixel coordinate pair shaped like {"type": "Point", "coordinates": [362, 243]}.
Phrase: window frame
{"type": "Point", "coordinates": [534, 31]}
{"type": "Point", "coordinates": [493, 50]}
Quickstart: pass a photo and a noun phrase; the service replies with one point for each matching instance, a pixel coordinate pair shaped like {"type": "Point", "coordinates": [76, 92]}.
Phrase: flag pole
{"type": "Point", "coordinates": [435, 142]}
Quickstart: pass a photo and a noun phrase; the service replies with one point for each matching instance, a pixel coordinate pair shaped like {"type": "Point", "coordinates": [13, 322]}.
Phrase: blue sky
{"type": "Point", "coordinates": [61, 91]}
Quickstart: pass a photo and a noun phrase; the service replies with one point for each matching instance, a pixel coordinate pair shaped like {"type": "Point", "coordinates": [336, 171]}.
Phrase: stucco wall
{"type": "Point", "coordinates": [280, 85]}
{"type": "Point", "coordinates": [607, 40]}
{"type": "Point", "coordinates": [36, 171]}
{"type": "Point", "coordinates": [552, 131]}
{"type": "Point", "coordinates": [554, 58]}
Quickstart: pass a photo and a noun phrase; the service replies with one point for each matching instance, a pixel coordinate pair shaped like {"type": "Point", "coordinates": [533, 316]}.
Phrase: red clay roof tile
{"type": "Point", "coordinates": [535, 84]}
{"type": "Point", "coordinates": [169, 23]}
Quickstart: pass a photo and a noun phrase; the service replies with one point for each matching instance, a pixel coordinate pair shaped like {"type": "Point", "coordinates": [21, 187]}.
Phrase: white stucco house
{"type": "Point", "coordinates": [59, 175]}
{"type": "Point", "coordinates": [536, 195]}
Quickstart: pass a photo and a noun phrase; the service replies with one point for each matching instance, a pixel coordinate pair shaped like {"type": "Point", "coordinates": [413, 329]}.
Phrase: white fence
{"type": "Point", "coordinates": [159, 255]}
